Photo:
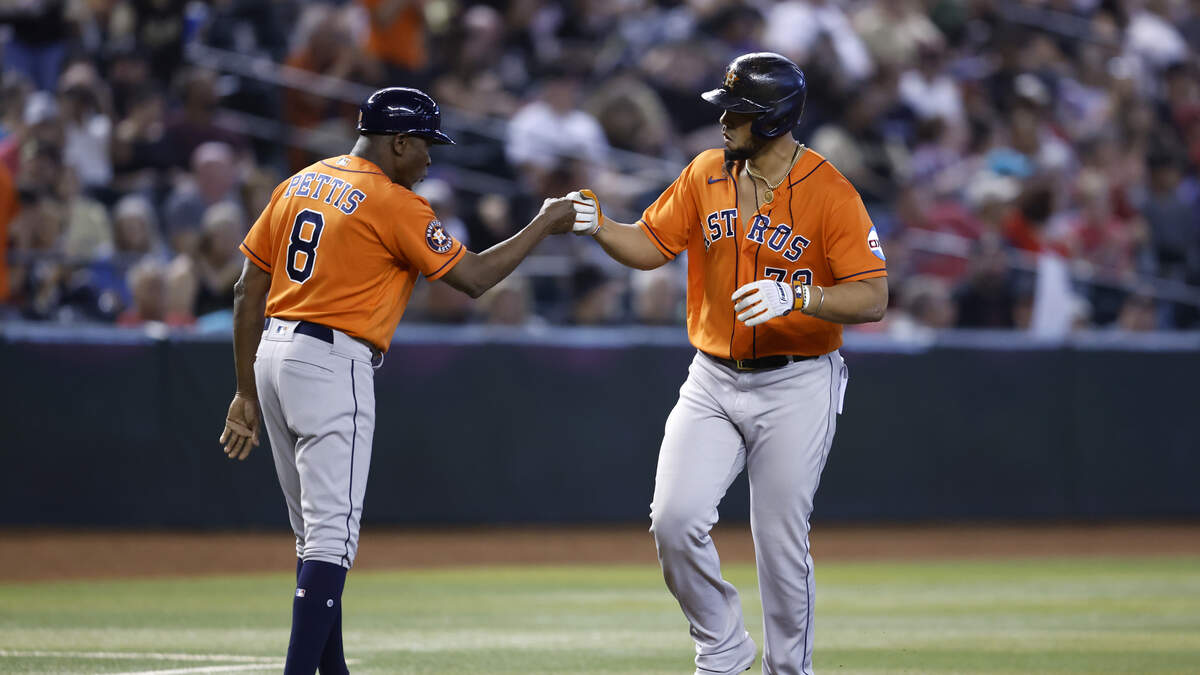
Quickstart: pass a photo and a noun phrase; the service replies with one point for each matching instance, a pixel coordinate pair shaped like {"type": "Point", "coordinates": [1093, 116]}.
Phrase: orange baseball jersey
{"type": "Point", "coordinates": [344, 246]}
{"type": "Point", "coordinates": [815, 231]}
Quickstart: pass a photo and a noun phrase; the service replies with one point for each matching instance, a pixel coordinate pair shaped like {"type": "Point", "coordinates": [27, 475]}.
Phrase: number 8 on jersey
{"type": "Point", "coordinates": [302, 249]}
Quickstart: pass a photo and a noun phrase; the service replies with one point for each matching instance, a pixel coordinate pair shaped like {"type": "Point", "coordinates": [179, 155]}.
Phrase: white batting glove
{"type": "Point", "coordinates": [588, 216]}
{"type": "Point", "coordinates": [762, 301]}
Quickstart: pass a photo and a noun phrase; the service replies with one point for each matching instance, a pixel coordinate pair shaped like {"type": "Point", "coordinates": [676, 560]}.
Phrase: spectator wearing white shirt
{"type": "Point", "coordinates": [929, 91]}
{"type": "Point", "coordinates": [1152, 37]}
{"type": "Point", "coordinates": [551, 132]}
{"type": "Point", "coordinates": [893, 30]}
{"type": "Point", "coordinates": [795, 27]}
{"type": "Point", "coordinates": [87, 126]}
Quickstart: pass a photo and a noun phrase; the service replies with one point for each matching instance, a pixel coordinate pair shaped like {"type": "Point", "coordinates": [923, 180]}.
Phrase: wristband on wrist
{"type": "Point", "coordinates": [802, 297]}
{"type": "Point", "coordinates": [819, 302]}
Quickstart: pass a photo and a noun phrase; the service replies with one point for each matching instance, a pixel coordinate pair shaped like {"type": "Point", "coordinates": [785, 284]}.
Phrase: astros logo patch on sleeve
{"type": "Point", "coordinates": [437, 237]}
{"type": "Point", "coordinates": [873, 244]}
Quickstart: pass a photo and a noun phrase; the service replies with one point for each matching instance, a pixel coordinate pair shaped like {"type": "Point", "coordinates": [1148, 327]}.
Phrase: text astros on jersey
{"type": "Point", "coordinates": [817, 231]}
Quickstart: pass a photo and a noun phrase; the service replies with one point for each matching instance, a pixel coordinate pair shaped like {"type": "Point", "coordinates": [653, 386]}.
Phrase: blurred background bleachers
{"type": "Point", "coordinates": [1031, 165]}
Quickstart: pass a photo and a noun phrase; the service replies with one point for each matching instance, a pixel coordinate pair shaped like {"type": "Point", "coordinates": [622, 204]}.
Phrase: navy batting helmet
{"type": "Point", "coordinates": [764, 83]}
{"type": "Point", "coordinates": [400, 110]}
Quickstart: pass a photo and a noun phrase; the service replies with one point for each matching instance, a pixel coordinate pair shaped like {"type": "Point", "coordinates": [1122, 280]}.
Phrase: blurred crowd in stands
{"type": "Point", "coordinates": [1029, 164]}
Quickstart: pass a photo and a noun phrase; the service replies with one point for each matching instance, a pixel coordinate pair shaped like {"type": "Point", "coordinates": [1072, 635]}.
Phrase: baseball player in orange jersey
{"type": "Point", "coordinates": [780, 254]}
{"type": "Point", "coordinates": [331, 263]}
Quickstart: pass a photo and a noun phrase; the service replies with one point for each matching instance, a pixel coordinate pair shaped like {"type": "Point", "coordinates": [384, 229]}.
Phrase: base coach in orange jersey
{"type": "Point", "coordinates": [780, 254]}
{"type": "Point", "coordinates": [331, 263]}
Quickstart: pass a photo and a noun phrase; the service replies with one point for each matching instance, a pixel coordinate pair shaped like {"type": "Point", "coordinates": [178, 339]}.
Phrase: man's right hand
{"type": "Point", "coordinates": [241, 427]}
{"type": "Point", "coordinates": [560, 213]}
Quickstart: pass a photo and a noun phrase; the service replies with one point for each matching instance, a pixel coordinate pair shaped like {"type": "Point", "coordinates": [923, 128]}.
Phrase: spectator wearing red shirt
{"type": "Point", "coordinates": [1025, 227]}
{"type": "Point", "coordinates": [8, 211]}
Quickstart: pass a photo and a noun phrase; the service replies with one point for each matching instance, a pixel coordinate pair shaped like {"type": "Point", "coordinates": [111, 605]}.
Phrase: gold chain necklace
{"type": "Point", "coordinates": [770, 194]}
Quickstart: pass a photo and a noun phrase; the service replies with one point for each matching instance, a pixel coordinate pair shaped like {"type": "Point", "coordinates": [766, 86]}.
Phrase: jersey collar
{"type": "Point", "coordinates": [353, 164]}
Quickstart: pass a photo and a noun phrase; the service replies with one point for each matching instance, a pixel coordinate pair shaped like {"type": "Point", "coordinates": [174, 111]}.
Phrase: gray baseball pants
{"type": "Point", "coordinates": [778, 424]}
{"type": "Point", "coordinates": [318, 405]}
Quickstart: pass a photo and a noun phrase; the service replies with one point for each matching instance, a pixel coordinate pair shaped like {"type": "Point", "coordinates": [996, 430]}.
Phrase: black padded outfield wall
{"type": "Point", "coordinates": [124, 433]}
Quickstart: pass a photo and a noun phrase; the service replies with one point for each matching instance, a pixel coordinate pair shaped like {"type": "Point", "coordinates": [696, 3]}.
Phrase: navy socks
{"type": "Point", "coordinates": [333, 659]}
{"type": "Point", "coordinates": [316, 615]}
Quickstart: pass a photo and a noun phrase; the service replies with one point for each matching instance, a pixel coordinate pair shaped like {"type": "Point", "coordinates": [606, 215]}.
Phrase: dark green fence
{"type": "Point", "coordinates": [124, 433]}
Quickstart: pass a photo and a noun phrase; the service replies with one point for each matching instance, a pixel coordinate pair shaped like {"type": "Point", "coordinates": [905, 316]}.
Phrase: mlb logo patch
{"type": "Point", "coordinates": [437, 237]}
{"type": "Point", "coordinates": [874, 245]}
{"type": "Point", "coordinates": [300, 592]}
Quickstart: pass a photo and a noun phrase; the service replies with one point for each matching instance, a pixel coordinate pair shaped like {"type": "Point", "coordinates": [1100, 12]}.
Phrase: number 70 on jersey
{"type": "Point", "coordinates": [801, 276]}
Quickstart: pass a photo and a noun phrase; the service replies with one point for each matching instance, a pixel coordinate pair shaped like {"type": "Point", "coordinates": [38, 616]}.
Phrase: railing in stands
{"type": "Point", "coordinates": [262, 69]}
{"type": "Point", "coordinates": [957, 246]}
{"type": "Point", "coordinates": [653, 169]}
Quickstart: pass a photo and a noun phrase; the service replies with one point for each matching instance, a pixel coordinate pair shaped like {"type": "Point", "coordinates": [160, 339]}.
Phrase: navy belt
{"type": "Point", "coordinates": [308, 328]}
{"type": "Point", "coordinates": [762, 363]}
{"type": "Point", "coordinates": [325, 334]}
{"type": "Point", "coordinates": [315, 330]}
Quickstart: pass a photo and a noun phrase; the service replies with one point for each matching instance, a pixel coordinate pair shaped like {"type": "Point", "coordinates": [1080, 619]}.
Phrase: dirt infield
{"type": "Point", "coordinates": [33, 555]}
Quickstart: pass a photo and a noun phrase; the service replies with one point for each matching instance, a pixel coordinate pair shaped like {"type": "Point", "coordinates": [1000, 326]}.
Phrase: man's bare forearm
{"type": "Point", "coordinates": [854, 302]}
{"type": "Point", "coordinates": [628, 245]}
{"type": "Point", "coordinates": [249, 307]}
{"type": "Point", "coordinates": [499, 261]}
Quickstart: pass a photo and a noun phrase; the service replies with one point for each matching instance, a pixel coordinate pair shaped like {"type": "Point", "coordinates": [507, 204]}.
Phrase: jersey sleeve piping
{"type": "Point", "coordinates": [254, 258]}
{"type": "Point", "coordinates": [658, 243]}
{"type": "Point", "coordinates": [857, 274]}
{"type": "Point", "coordinates": [449, 264]}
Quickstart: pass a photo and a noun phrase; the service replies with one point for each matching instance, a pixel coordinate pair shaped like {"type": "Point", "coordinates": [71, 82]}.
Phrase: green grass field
{"type": "Point", "coordinates": [1127, 615]}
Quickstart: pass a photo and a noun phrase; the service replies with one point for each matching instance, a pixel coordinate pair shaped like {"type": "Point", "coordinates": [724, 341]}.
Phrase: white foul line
{"type": "Point", "coordinates": [139, 656]}
{"type": "Point", "coordinates": [208, 669]}
{"type": "Point", "coordinates": [248, 662]}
